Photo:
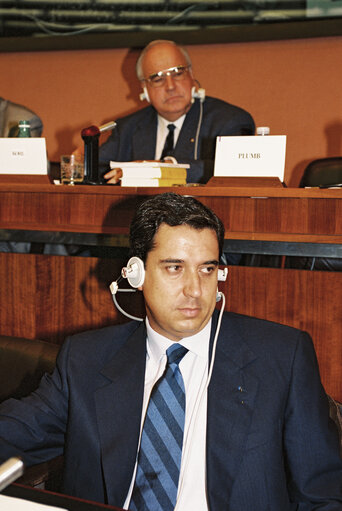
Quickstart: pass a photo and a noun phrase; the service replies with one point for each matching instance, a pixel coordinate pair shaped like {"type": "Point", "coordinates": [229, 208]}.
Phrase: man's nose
{"type": "Point", "coordinates": [169, 82]}
{"type": "Point", "coordinates": [192, 285]}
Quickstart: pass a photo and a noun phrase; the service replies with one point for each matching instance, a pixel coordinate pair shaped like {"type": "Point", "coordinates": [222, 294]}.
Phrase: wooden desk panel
{"type": "Point", "coordinates": [251, 213]}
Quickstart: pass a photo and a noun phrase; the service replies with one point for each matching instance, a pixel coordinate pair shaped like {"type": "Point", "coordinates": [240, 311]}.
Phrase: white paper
{"type": "Point", "coordinates": [250, 156]}
{"type": "Point", "coordinates": [14, 504]}
{"type": "Point", "coordinates": [23, 156]}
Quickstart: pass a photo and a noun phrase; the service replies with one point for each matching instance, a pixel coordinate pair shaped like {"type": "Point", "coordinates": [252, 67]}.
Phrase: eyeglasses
{"type": "Point", "coordinates": [176, 73]}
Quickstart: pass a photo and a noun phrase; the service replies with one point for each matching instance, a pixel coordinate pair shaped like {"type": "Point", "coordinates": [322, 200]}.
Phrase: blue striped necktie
{"type": "Point", "coordinates": [160, 454]}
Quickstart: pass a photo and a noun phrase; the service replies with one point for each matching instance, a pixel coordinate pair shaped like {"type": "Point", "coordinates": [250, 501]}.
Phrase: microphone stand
{"type": "Point", "coordinates": [90, 137]}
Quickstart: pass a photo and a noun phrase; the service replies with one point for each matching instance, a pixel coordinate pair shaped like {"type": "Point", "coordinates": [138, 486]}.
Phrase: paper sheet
{"type": "Point", "coordinates": [14, 504]}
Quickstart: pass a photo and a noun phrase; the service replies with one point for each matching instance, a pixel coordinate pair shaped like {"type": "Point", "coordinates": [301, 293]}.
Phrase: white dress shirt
{"type": "Point", "coordinates": [194, 369]}
{"type": "Point", "coordinates": [163, 131]}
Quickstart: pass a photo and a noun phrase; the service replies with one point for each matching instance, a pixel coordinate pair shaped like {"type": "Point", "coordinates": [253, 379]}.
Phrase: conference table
{"type": "Point", "coordinates": [48, 297]}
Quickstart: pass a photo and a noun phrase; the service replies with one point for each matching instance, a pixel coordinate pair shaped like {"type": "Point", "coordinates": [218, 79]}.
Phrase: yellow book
{"type": "Point", "coordinates": [152, 182]}
{"type": "Point", "coordinates": [149, 169]}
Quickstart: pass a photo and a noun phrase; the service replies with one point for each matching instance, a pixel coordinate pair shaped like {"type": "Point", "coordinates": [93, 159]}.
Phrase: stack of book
{"type": "Point", "coordinates": [151, 173]}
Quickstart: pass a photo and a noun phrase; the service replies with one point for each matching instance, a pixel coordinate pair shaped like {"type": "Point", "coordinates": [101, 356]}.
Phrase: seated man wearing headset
{"type": "Point", "coordinates": [177, 108]}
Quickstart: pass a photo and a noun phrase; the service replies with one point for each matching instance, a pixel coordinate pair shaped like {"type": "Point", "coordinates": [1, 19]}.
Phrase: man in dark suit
{"type": "Point", "coordinates": [257, 433]}
{"type": "Point", "coordinates": [165, 73]}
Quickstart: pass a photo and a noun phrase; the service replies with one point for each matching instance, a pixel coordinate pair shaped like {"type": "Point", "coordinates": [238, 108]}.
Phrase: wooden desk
{"type": "Point", "coordinates": [48, 297]}
{"type": "Point", "coordinates": [278, 214]}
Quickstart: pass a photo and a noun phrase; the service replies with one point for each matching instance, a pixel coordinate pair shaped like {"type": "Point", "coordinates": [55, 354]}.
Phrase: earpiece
{"type": "Point", "coordinates": [198, 93]}
{"type": "Point", "coordinates": [221, 277]}
{"type": "Point", "coordinates": [144, 95]}
{"type": "Point", "coordinates": [134, 272]}
{"type": "Point", "coordinates": [222, 274]}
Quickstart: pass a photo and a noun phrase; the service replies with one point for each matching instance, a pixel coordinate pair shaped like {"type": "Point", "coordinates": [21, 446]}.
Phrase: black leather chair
{"type": "Point", "coordinates": [22, 364]}
{"type": "Point", "coordinates": [324, 172]}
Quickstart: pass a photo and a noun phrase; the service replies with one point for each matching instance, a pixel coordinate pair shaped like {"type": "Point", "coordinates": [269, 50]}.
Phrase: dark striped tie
{"type": "Point", "coordinates": [169, 142]}
{"type": "Point", "coordinates": [160, 454]}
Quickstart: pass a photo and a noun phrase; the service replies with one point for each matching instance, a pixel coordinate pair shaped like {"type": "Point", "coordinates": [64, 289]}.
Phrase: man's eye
{"type": "Point", "coordinates": [208, 269]}
{"type": "Point", "coordinates": [178, 73]}
{"type": "Point", "coordinates": [156, 79]}
{"type": "Point", "coordinates": [173, 268]}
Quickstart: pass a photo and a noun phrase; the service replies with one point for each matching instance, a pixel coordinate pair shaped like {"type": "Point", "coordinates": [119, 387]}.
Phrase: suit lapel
{"type": "Point", "coordinates": [231, 397]}
{"type": "Point", "coordinates": [145, 136]}
{"type": "Point", "coordinates": [118, 408]}
{"type": "Point", "coordinates": [186, 140]}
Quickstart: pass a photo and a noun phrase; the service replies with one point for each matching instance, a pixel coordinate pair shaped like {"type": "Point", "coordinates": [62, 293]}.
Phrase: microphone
{"type": "Point", "coordinates": [10, 471]}
{"type": "Point", "coordinates": [108, 126]}
{"type": "Point", "coordinates": [90, 137]}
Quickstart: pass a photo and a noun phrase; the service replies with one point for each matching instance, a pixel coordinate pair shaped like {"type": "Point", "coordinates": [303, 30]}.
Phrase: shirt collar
{"type": "Point", "coordinates": [157, 344]}
{"type": "Point", "coordinates": [164, 122]}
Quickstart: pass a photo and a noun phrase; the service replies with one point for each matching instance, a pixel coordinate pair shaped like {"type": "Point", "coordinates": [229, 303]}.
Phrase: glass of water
{"type": "Point", "coordinates": [72, 169]}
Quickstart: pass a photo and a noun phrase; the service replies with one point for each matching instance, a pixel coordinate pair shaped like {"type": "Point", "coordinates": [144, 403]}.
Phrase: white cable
{"type": "Point", "coordinates": [199, 400]}
{"type": "Point", "coordinates": [198, 130]}
{"type": "Point", "coordinates": [120, 309]}
{"type": "Point", "coordinates": [215, 339]}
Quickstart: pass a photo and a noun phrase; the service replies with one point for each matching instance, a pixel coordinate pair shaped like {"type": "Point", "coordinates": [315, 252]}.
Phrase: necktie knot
{"type": "Point", "coordinates": [171, 127]}
{"type": "Point", "coordinates": [175, 353]}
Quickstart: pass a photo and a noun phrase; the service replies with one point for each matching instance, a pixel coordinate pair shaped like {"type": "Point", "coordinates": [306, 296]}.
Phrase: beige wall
{"type": "Point", "coordinates": [292, 86]}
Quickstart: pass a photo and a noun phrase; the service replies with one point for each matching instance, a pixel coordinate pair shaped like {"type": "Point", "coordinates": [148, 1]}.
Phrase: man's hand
{"type": "Point", "coordinates": [113, 176]}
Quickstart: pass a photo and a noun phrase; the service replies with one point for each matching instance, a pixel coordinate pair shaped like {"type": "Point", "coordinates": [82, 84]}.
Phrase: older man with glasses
{"type": "Point", "coordinates": [180, 122]}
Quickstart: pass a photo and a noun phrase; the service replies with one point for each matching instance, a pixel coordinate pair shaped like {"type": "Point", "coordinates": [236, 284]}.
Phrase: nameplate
{"type": "Point", "coordinates": [23, 156]}
{"type": "Point", "coordinates": [250, 156]}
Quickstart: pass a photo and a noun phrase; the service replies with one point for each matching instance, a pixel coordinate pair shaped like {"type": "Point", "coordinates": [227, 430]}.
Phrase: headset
{"type": "Point", "coordinates": [144, 95]}
{"type": "Point", "coordinates": [134, 272]}
{"type": "Point", "coordinates": [198, 93]}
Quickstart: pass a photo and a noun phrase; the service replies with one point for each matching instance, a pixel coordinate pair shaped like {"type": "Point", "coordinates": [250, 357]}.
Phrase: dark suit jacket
{"type": "Point", "coordinates": [134, 137]}
{"type": "Point", "coordinates": [270, 443]}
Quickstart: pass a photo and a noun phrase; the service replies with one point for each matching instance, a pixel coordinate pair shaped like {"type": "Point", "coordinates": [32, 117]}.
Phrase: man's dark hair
{"type": "Point", "coordinates": [171, 209]}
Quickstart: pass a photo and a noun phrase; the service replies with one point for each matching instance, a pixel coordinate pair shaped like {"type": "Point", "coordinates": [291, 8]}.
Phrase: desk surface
{"type": "Point", "coordinates": [54, 499]}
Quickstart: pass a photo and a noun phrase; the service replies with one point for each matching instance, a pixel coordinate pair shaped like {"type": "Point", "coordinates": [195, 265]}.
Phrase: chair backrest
{"type": "Point", "coordinates": [323, 172]}
{"type": "Point", "coordinates": [22, 364]}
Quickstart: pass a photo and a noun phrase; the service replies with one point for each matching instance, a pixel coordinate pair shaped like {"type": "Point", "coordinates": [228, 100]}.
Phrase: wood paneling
{"type": "Point", "coordinates": [108, 209]}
